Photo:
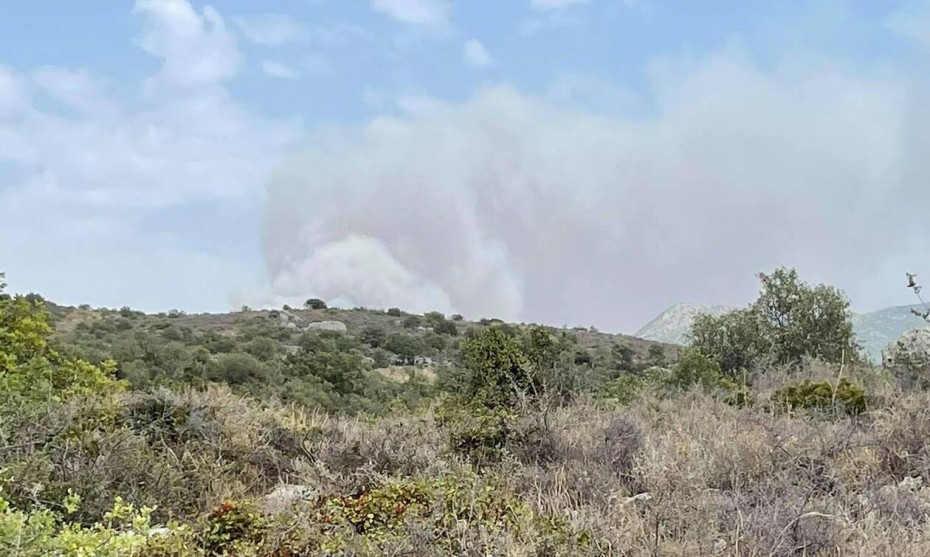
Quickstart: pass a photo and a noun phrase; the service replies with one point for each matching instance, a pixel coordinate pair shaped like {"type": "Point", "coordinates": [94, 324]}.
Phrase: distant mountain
{"type": "Point", "coordinates": [878, 329]}
{"type": "Point", "coordinates": [674, 324]}
{"type": "Point", "coordinates": [875, 330]}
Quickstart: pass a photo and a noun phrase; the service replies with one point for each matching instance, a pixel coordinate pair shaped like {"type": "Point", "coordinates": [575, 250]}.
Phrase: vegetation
{"type": "Point", "coordinates": [788, 322]}
{"type": "Point", "coordinates": [128, 434]}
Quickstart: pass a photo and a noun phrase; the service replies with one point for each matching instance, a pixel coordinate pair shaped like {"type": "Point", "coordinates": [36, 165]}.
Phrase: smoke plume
{"type": "Point", "coordinates": [524, 208]}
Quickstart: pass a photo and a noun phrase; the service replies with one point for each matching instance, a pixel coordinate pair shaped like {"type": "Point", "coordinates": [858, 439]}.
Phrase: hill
{"type": "Point", "coordinates": [877, 329]}
{"type": "Point", "coordinates": [371, 356]}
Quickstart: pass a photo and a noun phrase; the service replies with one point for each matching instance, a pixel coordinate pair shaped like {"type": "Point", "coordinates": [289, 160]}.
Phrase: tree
{"type": "Point", "coordinates": [406, 346]}
{"type": "Point", "coordinates": [733, 339]}
{"type": "Point", "coordinates": [434, 317]}
{"type": "Point", "coordinates": [446, 328]}
{"type": "Point", "coordinates": [373, 336]}
{"type": "Point", "coordinates": [315, 303]}
{"type": "Point", "coordinates": [32, 371]}
{"type": "Point", "coordinates": [498, 369]}
{"type": "Point", "coordinates": [622, 357]}
{"type": "Point", "coordinates": [394, 312]}
{"type": "Point", "coordinates": [789, 321]}
{"type": "Point", "coordinates": [656, 355]}
{"type": "Point", "coordinates": [801, 320]}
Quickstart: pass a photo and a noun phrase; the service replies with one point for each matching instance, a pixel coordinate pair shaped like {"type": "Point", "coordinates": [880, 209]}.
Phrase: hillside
{"type": "Point", "coordinates": [877, 329]}
{"type": "Point", "coordinates": [673, 325]}
{"type": "Point", "coordinates": [359, 432]}
{"type": "Point", "coordinates": [259, 352]}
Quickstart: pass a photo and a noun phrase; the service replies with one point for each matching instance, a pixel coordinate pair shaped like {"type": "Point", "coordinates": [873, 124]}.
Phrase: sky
{"type": "Point", "coordinates": [570, 162]}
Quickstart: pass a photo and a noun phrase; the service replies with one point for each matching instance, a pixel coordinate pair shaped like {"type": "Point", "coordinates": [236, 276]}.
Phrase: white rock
{"type": "Point", "coordinates": [335, 326]}
{"type": "Point", "coordinates": [286, 497]}
{"type": "Point", "coordinates": [912, 350]}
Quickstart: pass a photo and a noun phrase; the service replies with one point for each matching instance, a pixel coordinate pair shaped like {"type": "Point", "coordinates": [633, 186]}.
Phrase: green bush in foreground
{"type": "Point", "coordinates": [822, 396]}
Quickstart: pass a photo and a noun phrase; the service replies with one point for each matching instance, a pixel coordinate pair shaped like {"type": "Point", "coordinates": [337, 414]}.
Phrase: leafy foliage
{"type": "Point", "coordinates": [822, 395]}
{"type": "Point", "coordinates": [789, 321]}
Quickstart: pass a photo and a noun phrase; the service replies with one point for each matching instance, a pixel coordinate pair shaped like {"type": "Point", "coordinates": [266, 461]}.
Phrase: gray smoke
{"type": "Point", "coordinates": [525, 208]}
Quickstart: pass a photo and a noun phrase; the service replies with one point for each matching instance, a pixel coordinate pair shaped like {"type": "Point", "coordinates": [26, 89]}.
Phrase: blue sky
{"type": "Point", "coordinates": [476, 156]}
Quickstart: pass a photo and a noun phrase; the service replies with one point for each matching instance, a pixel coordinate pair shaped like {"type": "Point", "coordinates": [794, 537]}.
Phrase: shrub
{"type": "Point", "coordinates": [446, 328]}
{"type": "Point", "coordinates": [394, 312]}
{"type": "Point", "coordinates": [373, 336]}
{"type": "Point", "coordinates": [822, 396]}
{"type": "Point", "coordinates": [498, 372]}
{"type": "Point", "coordinates": [412, 321]}
{"type": "Point", "coordinates": [476, 432]}
{"type": "Point", "coordinates": [695, 369]}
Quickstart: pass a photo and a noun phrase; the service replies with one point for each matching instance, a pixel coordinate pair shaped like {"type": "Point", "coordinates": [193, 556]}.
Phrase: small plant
{"type": "Point", "coordinates": [823, 395]}
{"type": "Point", "coordinates": [232, 525]}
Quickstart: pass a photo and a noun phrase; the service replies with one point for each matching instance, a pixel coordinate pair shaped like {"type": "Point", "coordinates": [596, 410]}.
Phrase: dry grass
{"type": "Point", "coordinates": [680, 476]}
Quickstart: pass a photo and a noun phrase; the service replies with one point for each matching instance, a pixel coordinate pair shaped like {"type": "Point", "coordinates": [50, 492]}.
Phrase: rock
{"type": "Point", "coordinates": [335, 326]}
{"type": "Point", "coordinates": [912, 349]}
{"type": "Point", "coordinates": [286, 498]}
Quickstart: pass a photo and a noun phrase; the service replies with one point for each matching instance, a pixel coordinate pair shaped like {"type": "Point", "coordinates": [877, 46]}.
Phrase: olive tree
{"type": "Point", "coordinates": [789, 321]}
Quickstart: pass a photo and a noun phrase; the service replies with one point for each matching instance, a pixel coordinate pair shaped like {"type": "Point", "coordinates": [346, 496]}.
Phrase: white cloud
{"type": "Point", "coordinates": [433, 14]}
{"type": "Point", "coordinates": [195, 49]}
{"type": "Point", "coordinates": [113, 171]}
{"type": "Point", "coordinates": [543, 5]}
{"type": "Point", "coordinates": [14, 94]}
{"type": "Point", "coordinates": [271, 29]}
{"type": "Point", "coordinates": [279, 70]}
{"type": "Point", "coordinates": [75, 89]}
{"type": "Point", "coordinates": [476, 54]}
{"type": "Point", "coordinates": [912, 22]}
{"type": "Point", "coordinates": [553, 20]}
{"type": "Point", "coordinates": [508, 205]}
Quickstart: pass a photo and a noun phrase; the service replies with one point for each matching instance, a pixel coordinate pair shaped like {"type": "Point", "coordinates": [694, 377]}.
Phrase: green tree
{"type": "Point", "coordinates": [445, 328]}
{"type": "Point", "coordinates": [406, 346]}
{"type": "Point", "coordinates": [32, 371]}
{"type": "Point", "coordinates": [498, 369]}
{"type": "Point", "coordinates": [315, 303]}
{"type": "Point", "coordinates": [373, 336]}
{"type": "Point", "coordinates": [790, 320]}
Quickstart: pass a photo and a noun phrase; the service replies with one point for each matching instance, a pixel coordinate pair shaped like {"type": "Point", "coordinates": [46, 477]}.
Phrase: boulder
{"type": "Point", "coordinates": [912, 349]}
{"type": "Point", "coordinates": [908, 358]}
{"type": "Point", "coordinates": [287, 498]}
{"type": "Point", "coordinates": [335, 326]}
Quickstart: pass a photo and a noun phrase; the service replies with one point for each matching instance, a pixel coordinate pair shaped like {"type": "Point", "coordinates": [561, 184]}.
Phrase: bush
{"type": "Point", "coordinates": [373, 336]}
{"type": "Point", "coordinates": [498, 372]}
{"type": "Point", "coordinates": [475, 431]}
{"type": "Point", "coordinates": [844, 396]}
{"type": "Point", "coordinates": [394, 312]}
{"type": "Point", "coordinates": [695, 369]}
{"type": "Point", "coordinates": [446, 328]}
